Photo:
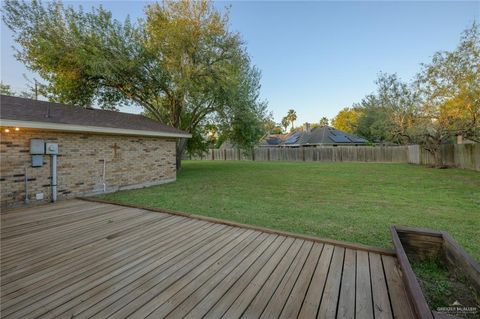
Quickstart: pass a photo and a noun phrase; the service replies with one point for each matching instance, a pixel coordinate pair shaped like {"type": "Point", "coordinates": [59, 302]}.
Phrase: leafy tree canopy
{"type": "Point", "coordinates": [449, 87]}
{"type": "Point", "coordinates": [6, 89]}
{"type": "Point", "coordinates": [180, 63]}
{"type": "Point", "coordinates": [347, 119]}
{"type": "Point", "coordinates": [323, 121]}
{"type": "Point", "coordinates": [386, 114]}
{"type": "Point", "coordinates": [271, 127]}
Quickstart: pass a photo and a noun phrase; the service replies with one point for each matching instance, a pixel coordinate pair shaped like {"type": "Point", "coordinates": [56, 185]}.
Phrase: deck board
{"type": "Point", "coordinates": [364, 301]}
{"type": "Point", "coordinates": [82, 259]}
{"type": "Point", "coordinates": [381, 304]}
{"type": "Point", "coordinates": [329, 303]}
{"type": "Point", "coordinates": [347, 290]}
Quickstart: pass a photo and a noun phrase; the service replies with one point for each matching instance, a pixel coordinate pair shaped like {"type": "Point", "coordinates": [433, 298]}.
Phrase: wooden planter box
{"type": "Point", "coordinates": [426, 243]}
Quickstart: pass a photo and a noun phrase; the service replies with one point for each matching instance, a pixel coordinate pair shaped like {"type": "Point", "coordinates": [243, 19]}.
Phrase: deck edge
{"type": "Point", "coordinates": [414, 292]}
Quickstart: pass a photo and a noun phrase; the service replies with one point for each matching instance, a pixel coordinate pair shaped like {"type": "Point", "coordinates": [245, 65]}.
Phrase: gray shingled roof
{"type": "Point", "coordinates": [272, 140]}
{"type": "Point", "coordinates": [22, 109]}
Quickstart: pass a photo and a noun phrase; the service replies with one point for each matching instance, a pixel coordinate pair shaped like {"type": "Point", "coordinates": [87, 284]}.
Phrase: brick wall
{"type": "Point", "coordinates": [131, 161]}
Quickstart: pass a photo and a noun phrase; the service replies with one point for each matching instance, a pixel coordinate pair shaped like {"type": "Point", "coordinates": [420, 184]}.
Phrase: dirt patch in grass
{"type": "Point", "coordinates": [443, 288]}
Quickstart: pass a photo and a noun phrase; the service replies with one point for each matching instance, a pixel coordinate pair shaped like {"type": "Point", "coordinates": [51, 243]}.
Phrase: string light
{"type": "Point", "coordinates": [17, 129]}
{"type": "Point", "coordinates": [7, 130]}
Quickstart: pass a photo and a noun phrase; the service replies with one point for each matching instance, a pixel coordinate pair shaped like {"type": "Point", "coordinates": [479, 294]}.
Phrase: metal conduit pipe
{"type": "Point", "coordinates": [52, 150]}
{"type": "Point", "coordinates": [53, 162]}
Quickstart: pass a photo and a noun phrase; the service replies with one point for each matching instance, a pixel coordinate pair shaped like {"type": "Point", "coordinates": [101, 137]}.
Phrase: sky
{"type": "Point", "coordinates": [316, 57]}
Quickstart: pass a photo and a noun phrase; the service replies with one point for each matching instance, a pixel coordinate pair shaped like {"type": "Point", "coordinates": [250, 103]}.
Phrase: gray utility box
{"type": "Point", "coordinates": [37, 149]}
{"type": "Point", "coordinates": [37, 146]}
{"type": "Point", "coordinates": [51, 148]}
{"type": "Point", "coordinates": [37, 160]}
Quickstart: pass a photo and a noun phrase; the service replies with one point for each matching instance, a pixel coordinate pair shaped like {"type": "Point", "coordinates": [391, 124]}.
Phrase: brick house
{"type": "Point", "coordinates": [97, 151]}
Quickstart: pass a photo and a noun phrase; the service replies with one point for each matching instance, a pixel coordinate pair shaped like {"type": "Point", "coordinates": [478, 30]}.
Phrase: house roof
{"type": "Point", "coordinates": [328, 135]}
{"type": "Point", "coordinates": [318, 135]}
{"type": "Point", "coordinates": [22, 112]}
{"type": "Point", "coordinates": [273, 140]}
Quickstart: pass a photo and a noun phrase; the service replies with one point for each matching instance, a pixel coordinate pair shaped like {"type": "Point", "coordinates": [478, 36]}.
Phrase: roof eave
{"type": "Point", "coordinates": [89, 129]}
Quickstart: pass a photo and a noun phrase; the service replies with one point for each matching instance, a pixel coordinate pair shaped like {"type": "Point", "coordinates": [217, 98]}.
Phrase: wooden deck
{"type": "Point", "coordinates": [94, 260]}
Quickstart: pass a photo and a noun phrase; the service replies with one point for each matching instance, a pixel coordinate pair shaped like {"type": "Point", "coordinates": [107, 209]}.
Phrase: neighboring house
{"type": "Point", "coordinates": [273, 140]}
{"type": "Point", "coordinates": [98, 151]}
{"type": "Point", "coordinates": [324, 135]}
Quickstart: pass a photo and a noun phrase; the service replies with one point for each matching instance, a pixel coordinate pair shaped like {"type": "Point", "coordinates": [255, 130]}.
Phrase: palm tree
{"type": "Point", "coordinates": [291, 116]}
{"type": "Point", "coordinates": [285, 123]}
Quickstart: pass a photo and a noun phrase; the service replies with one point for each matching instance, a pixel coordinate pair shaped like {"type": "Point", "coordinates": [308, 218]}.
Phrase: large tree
{"type": "Point", "coordinates": [386, 114]}
{"type": "Point", "coordinates": [450, 89]}
{"type": "Point", "coordinates": [180, 63]}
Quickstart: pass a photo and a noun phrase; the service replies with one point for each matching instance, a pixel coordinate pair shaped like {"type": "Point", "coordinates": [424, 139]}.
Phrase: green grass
{"type": "Point", "coordinates": [435, 280]}
{"type": "Point", "coordinates": [441, 287]}
{"type": "Point", "coordinates": [356, 202]}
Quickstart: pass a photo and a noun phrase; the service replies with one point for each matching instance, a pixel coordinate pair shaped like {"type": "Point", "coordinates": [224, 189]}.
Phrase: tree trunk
{"type": "Point", "coordinates": [180, 150]}
{"type": "Point", "coordinates": [438, 158]}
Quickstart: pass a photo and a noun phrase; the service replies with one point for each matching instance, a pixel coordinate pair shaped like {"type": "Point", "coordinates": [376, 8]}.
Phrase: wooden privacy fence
{"type": "Point", "coordinates": [397, 154]}
{"type": "Point", "coordinates": [463, 156]}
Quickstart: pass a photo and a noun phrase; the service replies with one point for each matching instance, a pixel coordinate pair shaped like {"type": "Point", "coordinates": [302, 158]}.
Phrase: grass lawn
{"type": "Point", "coordinates": [356, 202]}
